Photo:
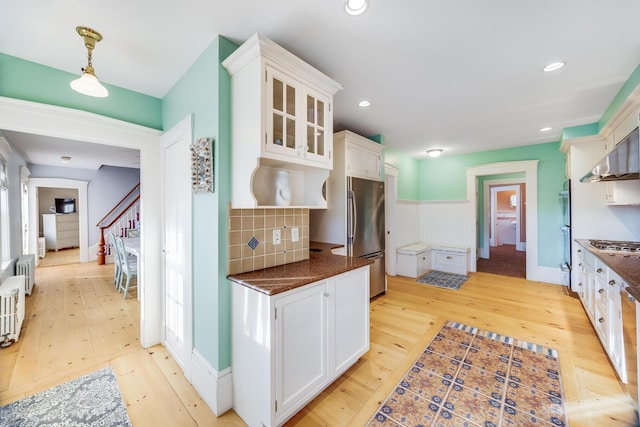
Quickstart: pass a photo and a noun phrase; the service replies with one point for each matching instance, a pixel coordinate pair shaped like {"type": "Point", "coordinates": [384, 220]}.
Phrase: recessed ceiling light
{"type": "Point", "coordinates": [553, 66]}
{"type": "Point", "coordinates": [65, 159]}
{"type": "Point", "coordinates": [356, 7]}
{"type": "Point", "coordinates": [547, 129]}
{"type": "Point", "coordinates": [364, 103]}
{"type": "Point", "coordinates": [435, 152]}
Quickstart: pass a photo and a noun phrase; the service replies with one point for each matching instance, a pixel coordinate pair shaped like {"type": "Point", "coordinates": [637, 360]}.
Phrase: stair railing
{"type": "Point", "coordinates": [120, 220]}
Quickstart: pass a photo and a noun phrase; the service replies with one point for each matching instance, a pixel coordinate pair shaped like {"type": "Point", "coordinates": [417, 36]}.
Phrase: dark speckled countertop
{"type": "Point", "coordinates": [320, 265]}
{"type": "Point", "coordinates": [628, 267]}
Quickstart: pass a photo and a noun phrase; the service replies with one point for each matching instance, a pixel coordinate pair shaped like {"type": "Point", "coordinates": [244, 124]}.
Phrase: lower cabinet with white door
{"type": "Point", "coordinates": [288, 347]}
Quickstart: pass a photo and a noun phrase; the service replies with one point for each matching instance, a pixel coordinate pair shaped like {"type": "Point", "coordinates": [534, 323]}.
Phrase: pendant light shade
{"type": "Point", "coordinates": [88, 83]}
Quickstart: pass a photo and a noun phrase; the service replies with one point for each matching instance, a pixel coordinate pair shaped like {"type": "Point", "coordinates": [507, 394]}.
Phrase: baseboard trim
{"type": "Point", "coordinates": [214, 387]}
{"type": "Point", "coordinates": [550, 275]}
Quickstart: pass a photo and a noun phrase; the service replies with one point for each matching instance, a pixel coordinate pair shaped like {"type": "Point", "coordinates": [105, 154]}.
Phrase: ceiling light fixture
{"type": "Point", "coordinates": [547, 129]}
{"type": "Point", "coordinates": [356, 7]}
{"type": "Point", "coordinates": [65, 159]}
{"type": "Point", "coordinates": [553, 66]}
{"type": "Point", "coordinates": [364, 103]}
{"type": "Point", "coordinates": [435, 152]}
{"type": "Point", "coordinates": [88, 83]}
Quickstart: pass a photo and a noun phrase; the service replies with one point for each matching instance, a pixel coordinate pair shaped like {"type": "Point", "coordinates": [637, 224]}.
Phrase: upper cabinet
{"type": "Point", "coordinates": [363, 157]}
{"type": "Point", "coordinates": [281, 119]}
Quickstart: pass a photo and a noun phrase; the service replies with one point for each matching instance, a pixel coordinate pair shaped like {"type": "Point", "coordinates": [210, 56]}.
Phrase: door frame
{"type": "Point", "coordinates": [486, 209]}
{"type": "Point", "coordinates": [530, 170]}
{"type": "Point", "coordinates": [60, 122]}
{"type": "Point", "coordinates": [493, 202]}
{"type": "Point", "coordinates": [390, 199]}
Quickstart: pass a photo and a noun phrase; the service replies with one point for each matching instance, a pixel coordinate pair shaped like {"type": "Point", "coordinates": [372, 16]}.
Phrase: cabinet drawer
{"type": "Point", "coordinates": [449, 261]}
{"type": "Point", "coordinates": [602, 323]}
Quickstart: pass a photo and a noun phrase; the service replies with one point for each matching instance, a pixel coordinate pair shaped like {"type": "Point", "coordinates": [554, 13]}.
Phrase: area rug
{"type": "Point", "coordinates": [471, 377]}
{"type": "Point", "coordinates": [92, 400]}
{"type": "Point", "coordinates": [443, 279]}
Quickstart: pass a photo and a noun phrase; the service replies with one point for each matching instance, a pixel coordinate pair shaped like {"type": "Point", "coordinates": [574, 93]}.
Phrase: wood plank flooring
{"type": "Point", "coordinates": [77, 323]}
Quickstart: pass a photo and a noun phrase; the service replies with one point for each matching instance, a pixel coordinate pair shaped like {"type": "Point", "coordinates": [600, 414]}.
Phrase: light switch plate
{"type": "Point", "coordinates": [294, 234]}
{"type": "Point", "coordinates": [276, 237]}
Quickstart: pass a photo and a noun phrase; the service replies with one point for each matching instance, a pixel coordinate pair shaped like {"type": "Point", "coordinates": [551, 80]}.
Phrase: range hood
{"type": "Point", "coordinates": [620, 164]}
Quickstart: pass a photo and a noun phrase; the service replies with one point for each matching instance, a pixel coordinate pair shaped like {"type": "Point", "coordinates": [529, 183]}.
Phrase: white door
{"type": "Point", "coordinates": [176, 200]}
{"type": "Point", "coordinates": [390, 198]}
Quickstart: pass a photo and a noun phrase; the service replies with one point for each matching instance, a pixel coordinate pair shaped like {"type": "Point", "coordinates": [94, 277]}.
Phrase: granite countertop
{"type": "Point", "coordinates": [320, 265]}
{"type": "Point", "coordinates": [627, 266]}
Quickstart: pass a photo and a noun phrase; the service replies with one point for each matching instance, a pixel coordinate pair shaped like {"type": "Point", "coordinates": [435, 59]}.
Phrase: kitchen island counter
{"type": "Point", "coordinates": [627, 266]}
{"type": "Point", "coordinates": [322, 264]}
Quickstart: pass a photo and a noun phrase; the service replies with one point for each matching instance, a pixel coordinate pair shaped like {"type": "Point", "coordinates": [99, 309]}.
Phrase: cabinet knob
{"type": "Point", "coordinates": [601, 320]}
{"type": "Point", "coordinates": [580, 284]}
{"type": "Point", "coordinates": [599, 270]}
{"type": "Point", "coordinates": [580, 265]}
{"type": "Point", "coordinates": [326, 294]}
{"type": "Point", "coordinates": [449, 257]}
{"type": "Point", "coordinates": [601, 291]}
{"type": "Point", "coordinates": [579, 251]}
{"type": "Point", "coordinates": [612, 282]}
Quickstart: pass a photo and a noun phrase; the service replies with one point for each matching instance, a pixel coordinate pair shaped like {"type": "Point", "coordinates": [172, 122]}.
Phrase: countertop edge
{"type": "Point", "coordinates": [323, 265]}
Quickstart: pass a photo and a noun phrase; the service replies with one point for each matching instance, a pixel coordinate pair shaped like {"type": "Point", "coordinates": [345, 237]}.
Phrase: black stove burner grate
{"type": "Point", "coordinates": [614, 245]}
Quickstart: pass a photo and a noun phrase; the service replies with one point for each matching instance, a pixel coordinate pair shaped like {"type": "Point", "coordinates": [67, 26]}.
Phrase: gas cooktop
{"type": "Point", "coordinates": [616, 246]}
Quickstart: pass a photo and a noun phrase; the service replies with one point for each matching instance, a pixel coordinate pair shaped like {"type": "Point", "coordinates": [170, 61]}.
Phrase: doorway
{"type": "Point", "coordinates": [475, 175]}
{"type": "Point", "coordinates": [42, 119]}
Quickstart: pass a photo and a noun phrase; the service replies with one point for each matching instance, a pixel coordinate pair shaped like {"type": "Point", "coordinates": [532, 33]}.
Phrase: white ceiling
{"type": "Point", "coordinates": [463, 75]}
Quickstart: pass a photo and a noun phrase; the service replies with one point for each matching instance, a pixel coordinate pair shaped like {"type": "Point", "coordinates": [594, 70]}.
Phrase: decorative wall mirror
{"type": "Point", "coordinates": [202, 171]}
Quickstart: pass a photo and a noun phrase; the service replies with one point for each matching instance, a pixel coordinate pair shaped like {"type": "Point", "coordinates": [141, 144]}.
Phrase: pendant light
{"type": "Point", "coordinates": [88, 83]}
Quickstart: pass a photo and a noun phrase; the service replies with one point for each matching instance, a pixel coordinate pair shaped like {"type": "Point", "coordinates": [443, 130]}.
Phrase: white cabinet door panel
{"type": "Point", "coordinates": [301, 363]}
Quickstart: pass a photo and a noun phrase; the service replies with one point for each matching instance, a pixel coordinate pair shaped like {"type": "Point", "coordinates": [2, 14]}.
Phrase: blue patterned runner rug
{"type": "Point", "coordinates": [92, 400]}
{"type": "Point", "coordinates": [471, 377]}
{"type": "Point", "coordinates": [443, 279]}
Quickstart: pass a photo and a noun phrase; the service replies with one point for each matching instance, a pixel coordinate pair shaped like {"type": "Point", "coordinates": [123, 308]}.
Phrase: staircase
{"type": "Point", "coordinates": [123, 221]}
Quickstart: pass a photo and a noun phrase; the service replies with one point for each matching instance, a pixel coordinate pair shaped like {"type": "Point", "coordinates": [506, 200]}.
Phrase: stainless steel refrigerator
{"type": "Point", "coordinates": [366, 228]}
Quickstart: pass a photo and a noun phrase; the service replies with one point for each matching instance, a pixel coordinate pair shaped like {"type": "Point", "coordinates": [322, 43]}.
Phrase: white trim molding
{"type": "Point", "coordinates": [530, 169]}
{"type": "Point", "coordinates": [60, 122]}
{"type": "Point", "coordinates": [214, 387]}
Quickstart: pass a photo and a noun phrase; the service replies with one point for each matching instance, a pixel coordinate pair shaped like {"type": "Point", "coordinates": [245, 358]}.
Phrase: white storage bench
{"type": "Point", "coordinates": [414, 260]}
{"type": "Point", "coordinates": [450, 258]}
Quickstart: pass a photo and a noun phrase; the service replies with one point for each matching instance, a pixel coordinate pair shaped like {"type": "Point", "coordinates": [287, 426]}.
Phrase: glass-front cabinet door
{"type": "Point", "coordinates": [318, 145]}
{"type": "Point", "coordinates": [298, 120]}
{"type": "Point", "coordinates": [282, 114]}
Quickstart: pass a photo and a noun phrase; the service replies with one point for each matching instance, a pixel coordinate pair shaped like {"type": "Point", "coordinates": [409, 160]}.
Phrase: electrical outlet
{"type": "Point", "coordinates": [295, 236]}
{"type": "Point", "coordinates": [276, 237]}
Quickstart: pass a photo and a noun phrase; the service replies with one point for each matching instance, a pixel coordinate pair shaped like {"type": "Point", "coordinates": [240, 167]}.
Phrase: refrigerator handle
{"type": "Point", "coordinates": [350, 216]}
{"type": "Point", "coordinates": [354, 215]}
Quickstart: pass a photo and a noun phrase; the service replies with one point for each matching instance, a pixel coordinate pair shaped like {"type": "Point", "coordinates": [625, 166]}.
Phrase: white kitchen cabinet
{"type": "Point", "coordinates": [623, 193]}
{"type": "Point", "coordinates": [599, 291]}
{"type": "Point", "coordinates": [281, 119]}
{"type": "Point", "coordinates": [288, 347]}
{"type": "Point", "coordinates": [363, 156]}
{"type": "Point", "coordinates": [61, 231]}
{"type": "Point", "coordinates": [300, 345]}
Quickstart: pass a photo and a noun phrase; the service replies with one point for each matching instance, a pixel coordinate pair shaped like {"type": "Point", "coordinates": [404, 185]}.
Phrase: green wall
{"type": "Point", "coordinates": [204, 91]}
{"type": "Point", "coordinates": [407, 173]}
{"type": "Point", "coordinates": [29, 81]}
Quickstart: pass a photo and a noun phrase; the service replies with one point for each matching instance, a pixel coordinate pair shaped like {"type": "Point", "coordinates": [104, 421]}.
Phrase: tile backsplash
{"type": "Point", "coordinates": [251, 238]}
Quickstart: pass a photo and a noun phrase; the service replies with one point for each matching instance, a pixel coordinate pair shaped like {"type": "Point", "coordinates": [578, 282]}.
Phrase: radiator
{"type": "Point", "coordinates": [11, 309]}
{"type": "Point", "coordinates": [26, 267]}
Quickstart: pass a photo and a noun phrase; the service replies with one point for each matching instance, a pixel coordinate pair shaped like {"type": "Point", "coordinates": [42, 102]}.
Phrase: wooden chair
{"type": "Point", "coordinates": [128, 266]}
{"type": "Point", "coordinates": [117, 263]}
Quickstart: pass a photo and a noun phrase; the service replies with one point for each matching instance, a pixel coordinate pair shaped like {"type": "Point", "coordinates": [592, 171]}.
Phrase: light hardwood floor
{"type": "Point", "coordinates": [77, 323]}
